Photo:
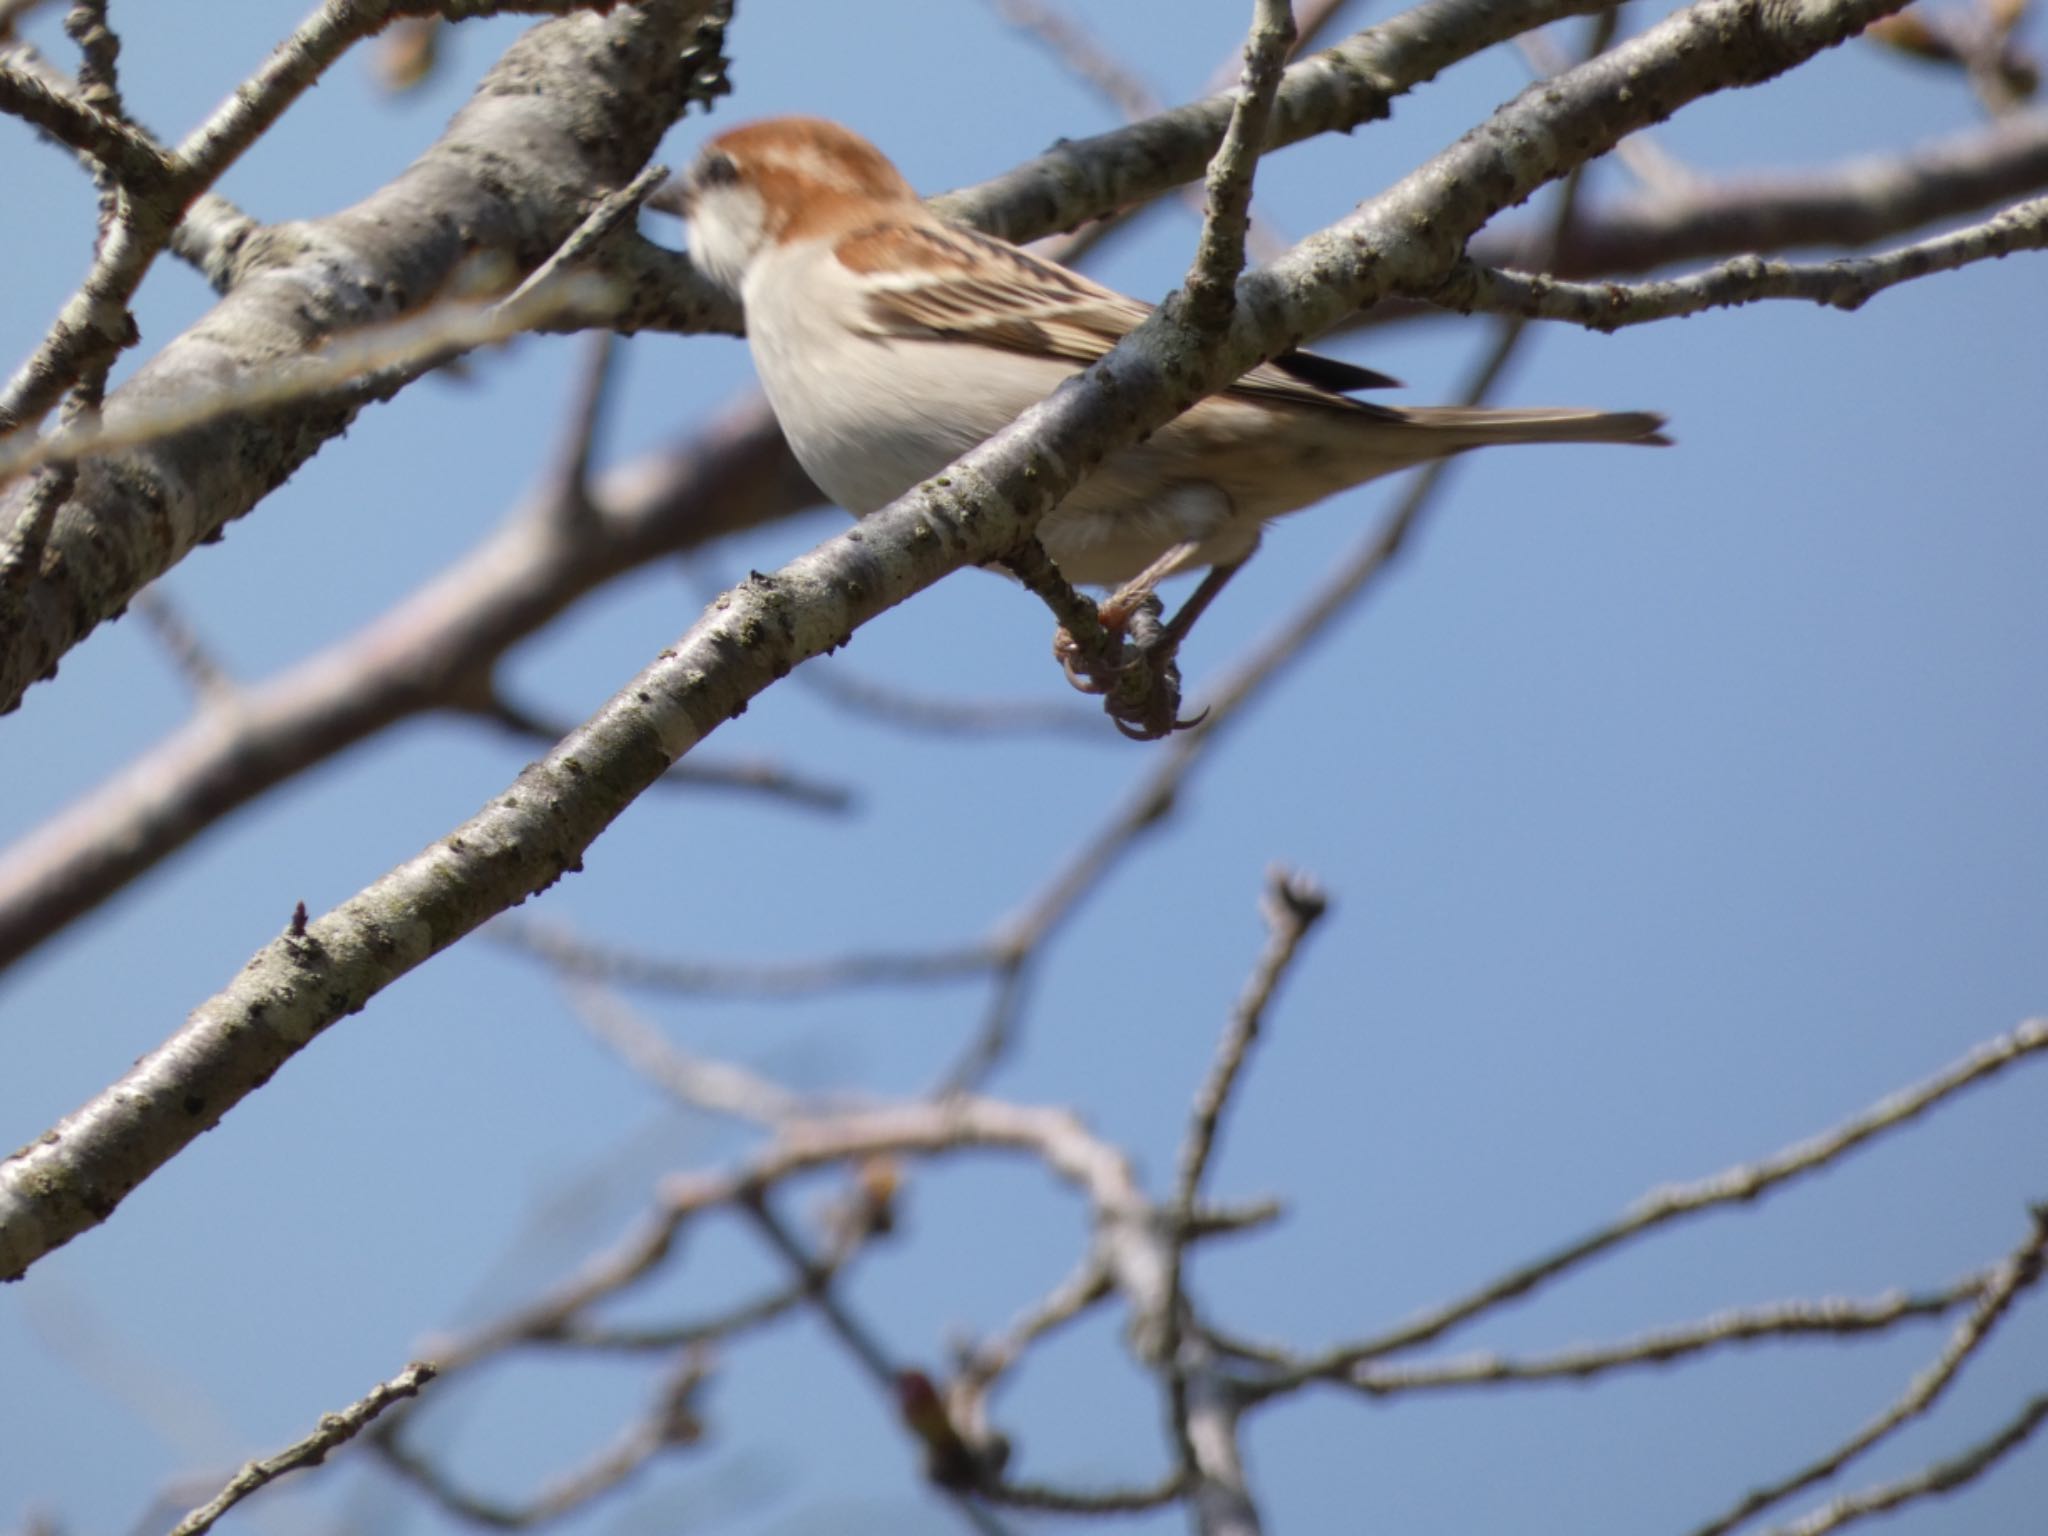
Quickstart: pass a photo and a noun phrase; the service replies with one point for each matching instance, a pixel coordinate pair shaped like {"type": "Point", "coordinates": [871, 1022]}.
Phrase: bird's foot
{"type": "Point", "coordinates": [1134, 669]}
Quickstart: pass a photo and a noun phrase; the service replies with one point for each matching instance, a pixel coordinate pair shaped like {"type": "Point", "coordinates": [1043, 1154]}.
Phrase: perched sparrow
{"type": "Point", "coordinates": [890, 342]}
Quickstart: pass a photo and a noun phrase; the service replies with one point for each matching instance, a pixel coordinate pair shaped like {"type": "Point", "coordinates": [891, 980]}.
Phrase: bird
{"type": "Point", "coordinates": [890, 341]}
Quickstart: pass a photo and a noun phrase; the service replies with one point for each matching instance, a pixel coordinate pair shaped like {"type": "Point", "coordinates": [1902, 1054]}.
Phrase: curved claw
{"type": "Point", "coordinates": [1067, 652]}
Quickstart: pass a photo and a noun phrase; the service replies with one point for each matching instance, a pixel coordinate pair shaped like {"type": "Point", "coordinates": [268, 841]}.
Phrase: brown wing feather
{"type": "Point", "coordinates": [972, 287]}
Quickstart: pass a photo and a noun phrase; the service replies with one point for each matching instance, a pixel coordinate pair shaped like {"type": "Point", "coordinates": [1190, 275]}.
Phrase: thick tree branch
{"type": "Point", "coordinates": [132, 157]}
{"type": "Point", "coordinates": [428, 653]}
{"type": "Point", "coordinates": [585, 100]}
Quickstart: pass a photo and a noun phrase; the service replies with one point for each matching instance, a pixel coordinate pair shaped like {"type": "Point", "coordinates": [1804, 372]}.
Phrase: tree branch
{"type": "Point", "coordinates": [1845, 284]}
{"type": "Point", "coordinates": [585, 98]}
{"type": "Point", "coordinates": [335, 1429]}
{"type": "Point", "coordinates": [1745, 1182]}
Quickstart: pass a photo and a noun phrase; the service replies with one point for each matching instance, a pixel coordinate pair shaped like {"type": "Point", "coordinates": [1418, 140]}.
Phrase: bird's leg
{"type": "Point", "coordinates": [1116, 611]}
{"type": "Point", "coordinates": [1199, 600]}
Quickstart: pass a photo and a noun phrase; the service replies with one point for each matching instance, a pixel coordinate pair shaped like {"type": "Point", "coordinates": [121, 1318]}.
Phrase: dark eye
{"type": "Point", "coordinates": [716, 170]}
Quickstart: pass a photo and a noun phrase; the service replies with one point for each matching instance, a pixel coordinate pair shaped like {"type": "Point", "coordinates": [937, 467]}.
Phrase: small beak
{"type": "Point", "coordinates": [675, 196]}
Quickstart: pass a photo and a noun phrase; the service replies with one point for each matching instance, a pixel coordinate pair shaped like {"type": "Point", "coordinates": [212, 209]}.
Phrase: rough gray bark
{"type": "Point", "coordinates": [572, 111]}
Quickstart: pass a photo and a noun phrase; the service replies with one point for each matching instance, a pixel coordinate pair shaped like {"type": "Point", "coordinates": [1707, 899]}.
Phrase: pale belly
{"type": "Point", "coordinates": [884, 415]}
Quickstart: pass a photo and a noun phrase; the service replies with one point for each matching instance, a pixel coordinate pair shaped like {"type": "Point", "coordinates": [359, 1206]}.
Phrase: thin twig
{"type": "Point", "coordinates": [1068, 39]}
{"type": "Point", "coordinates": [816, 1278]}
{"type": "Point", "coordinates": [1083, 54]}
{"type": "Point", "coordinates": [1940, 1477]}
{"type": "Point", "coordinates": [1833, 1318]}
{"type": "Point", "coordinates": [574, 955]}
{"type": "Point", "coordinates": [335, 1429]}
{"type": "Point", "coordinates": [188, 653]}
{"type": "Point", "coordinates": [570, 478]}
{"type": "Point", "coordinates": [364, 363]}
{"type": "Point", "coordinates": [1211, 284]}
{"type": "Point", "coordinates": [1292, 906]}
{"type": "Point", "coordinates": [2020, 1270]}
{"type": "Point", "coordinates": [1847, 283]}
{"type": "Point", "coordinates": [598, 226]}
{"type": "Point", "coordinates": [1741, 1184]}
{"type": "Point", "coordinates": [862, 1344]}
{"type": "Point", "coordinates": [979, 1368]}
{"type": "Point", "coordinates": [672, 1421]}
{"type": "Point", "coordinates": [1046, 1499]}
{"type": "Point", "coordinates": [718, 1087]}
{"type": "Point", "coordinates": [887, 704]}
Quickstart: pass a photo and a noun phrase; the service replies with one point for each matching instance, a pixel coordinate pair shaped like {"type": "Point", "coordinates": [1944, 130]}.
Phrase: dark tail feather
{"type": "Point", "coordinates": [1476, 427]}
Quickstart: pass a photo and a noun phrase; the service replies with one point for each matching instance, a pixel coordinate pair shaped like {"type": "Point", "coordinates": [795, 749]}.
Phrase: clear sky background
{"type": "Point", "coordinates": [1674, 805]}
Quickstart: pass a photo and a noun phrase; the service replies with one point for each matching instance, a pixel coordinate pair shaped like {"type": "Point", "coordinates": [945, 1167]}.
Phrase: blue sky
{"type": "Point", "coordinates": [1674, 807]}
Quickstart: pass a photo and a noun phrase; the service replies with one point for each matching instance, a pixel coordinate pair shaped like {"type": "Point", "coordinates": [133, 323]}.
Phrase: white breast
{"type": "Point", "coordinates": [869, 416]}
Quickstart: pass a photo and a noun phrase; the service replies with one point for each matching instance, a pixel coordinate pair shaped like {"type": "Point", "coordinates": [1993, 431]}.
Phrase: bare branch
{"type": "Point", "coordinates": [586, 98]}
{"type": "Point", "coordinates": [212, 231]}
{"type": "Point", "coordinates": [673, 1421]}
{"type": "Point", "coordinates": [335, 1429]}
{"type": "Point", "coordinates": [1941, 1477]}
{"type": "Point", "coordinates": [575, 956]}
{"type": "Point", "coordinates": [717, 1087]}
{"type": "Point", "coordinates": [1293, 905]}
{"type": "Point", "coordinates": [1355, 82]}
{"type": "Point", "coordinates": [349, 372]}
{"type": "Point", "coordinates": [1837, 1317]}
{"type": "Point", "coordinates": [1842, 284]}
{"type": "Point", "coordinates": [1071, 1501]}
{"type": "Point", "coordinates": [427, 653]}
{"type": "Point", "coordinates": [133, 157]}
{"type": "Point", "coordinates": [2020, 1270]}
{"type": "Point", "coordinates": [99, 66]}
{"type": "Point", "coordinates": [1082, 54]}
{"type": "Point", "coordinates": [981, 1366]}
{"type": "Point", "coordinates": [1211, 284]}
{"type": "Point", "coordinates": [1855, 203]}
{"type": "Point", "coordinates": [890, 705]}
{"type": "Point", "coordinates": [953, 1466]}
{"type": "Point", "coordinates": [1741, 1184]}
{"type": "Point", "coordinates": [188, 653]}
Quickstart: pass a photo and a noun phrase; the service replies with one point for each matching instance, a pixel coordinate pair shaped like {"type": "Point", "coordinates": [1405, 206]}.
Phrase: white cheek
{"type": "Point", "coordinates": [728, 228]}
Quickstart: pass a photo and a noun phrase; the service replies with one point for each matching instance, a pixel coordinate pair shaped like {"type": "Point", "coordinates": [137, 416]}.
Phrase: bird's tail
{"type": "Point", "coordinates": [1476, 427]}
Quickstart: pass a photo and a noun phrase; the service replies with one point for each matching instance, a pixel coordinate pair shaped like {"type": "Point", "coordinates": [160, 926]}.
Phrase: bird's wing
{"type": "Point", "coordinates": [934, 281]}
